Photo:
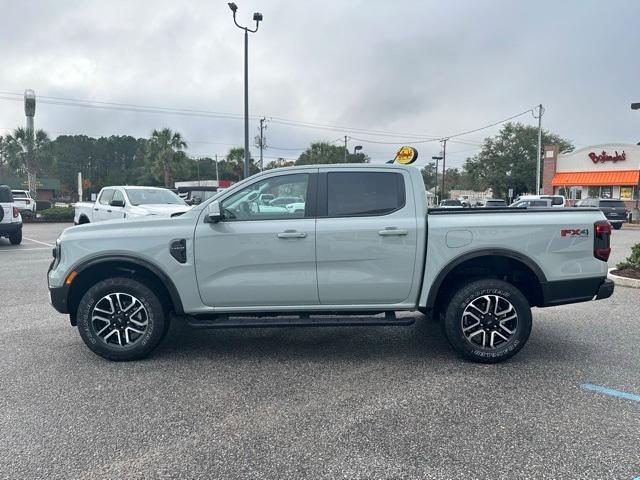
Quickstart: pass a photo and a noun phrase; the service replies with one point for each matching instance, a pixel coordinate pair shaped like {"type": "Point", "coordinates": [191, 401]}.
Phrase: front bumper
{"type": "Point", "coordinates": [58, 297]}
{"type": "Point", "coordinates": [6, 228]}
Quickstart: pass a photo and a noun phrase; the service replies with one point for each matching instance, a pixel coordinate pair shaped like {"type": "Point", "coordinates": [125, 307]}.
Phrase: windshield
{"type": "Point", "coordinates": [153, 196]}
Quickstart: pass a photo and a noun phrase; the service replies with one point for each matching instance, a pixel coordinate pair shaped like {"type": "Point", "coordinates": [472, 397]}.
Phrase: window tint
{"type": "Point", "coordinates": [557, 201]}
{"type": "Point", "coordinates": [612, 203]}
{"type": "Point", "coordinates": [364, 193]}
{"type": "Point", "coordinates": [538, 203]}
{"type": "Point", "coordinates": [117, 195]}
{"type": "Point", "coordinates": [107, 195]}
{"type": "Point", "coordinates": [5, 195]}
{"type": "Point", "coordinates": [248, 204]}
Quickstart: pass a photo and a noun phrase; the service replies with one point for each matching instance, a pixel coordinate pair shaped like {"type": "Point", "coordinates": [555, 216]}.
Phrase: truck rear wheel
{"type": "Point", "coordinates": [121, 319]}
{"type": "Point", "coordinates": [487, 321]}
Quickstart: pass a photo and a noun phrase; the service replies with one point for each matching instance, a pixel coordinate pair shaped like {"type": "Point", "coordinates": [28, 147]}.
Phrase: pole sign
{"type": "Point", "coordinates": [406, 156]}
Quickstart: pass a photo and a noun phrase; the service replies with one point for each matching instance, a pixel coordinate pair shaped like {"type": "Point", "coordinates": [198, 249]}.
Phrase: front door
{"type": "Point", "coordinates": [366, 237]}
{"type": "Point", "coordinates": [101, 207]}
{"type": "Point", "coordinates": [261, 254]}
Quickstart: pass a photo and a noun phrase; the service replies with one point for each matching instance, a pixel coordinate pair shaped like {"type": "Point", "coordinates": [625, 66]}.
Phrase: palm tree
{"type": "Point", "coordinates": [161, 148]}
{"type": "Point", "coordinates": [25, 151]}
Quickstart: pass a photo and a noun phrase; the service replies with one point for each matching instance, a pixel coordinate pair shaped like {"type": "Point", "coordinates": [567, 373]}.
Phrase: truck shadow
{"type": "Point", "coordinates": [423, 338]}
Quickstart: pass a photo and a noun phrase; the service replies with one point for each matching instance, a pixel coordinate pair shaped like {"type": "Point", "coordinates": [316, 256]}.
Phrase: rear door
{"type": "Point", "coordinates": [366, 236]}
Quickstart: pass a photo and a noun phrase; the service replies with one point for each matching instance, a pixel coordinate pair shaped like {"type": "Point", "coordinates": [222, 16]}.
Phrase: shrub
{"type": "Point", "coordinates": [27, 215]}
{"type": "Point", "coordinates": [42, 205]}
{"type": "Point", "coordinates": [633, 260]}
{"type": "Point", "coordinates": [58, 214]}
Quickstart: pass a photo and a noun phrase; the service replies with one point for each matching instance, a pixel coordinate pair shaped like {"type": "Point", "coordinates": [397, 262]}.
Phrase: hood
{"type": "Point", "coordinates": [161, 209]}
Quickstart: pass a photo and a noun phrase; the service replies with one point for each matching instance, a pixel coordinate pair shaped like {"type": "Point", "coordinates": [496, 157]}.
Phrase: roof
{"type": "Point", "coordinates": [585, 179]}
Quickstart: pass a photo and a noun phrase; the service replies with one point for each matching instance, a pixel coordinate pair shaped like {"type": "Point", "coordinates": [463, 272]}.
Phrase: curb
{"type": "Point", "coordinates": [624, 281]}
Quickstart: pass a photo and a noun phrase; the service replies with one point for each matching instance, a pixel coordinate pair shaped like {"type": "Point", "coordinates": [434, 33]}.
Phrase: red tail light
{"type": "Point", "coordinates": [601, 241]}
{"type": "Point", "coordinates": [16, 212]}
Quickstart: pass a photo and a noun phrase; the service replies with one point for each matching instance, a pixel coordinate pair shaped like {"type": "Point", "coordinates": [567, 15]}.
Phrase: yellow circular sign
{"type": "Point", "coordinates": [406, 155]}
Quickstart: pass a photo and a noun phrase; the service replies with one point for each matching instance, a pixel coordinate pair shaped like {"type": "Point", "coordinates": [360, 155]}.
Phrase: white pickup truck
{"type": "Point", "coordinates": [360, 242]}
{"type": "Point", "coordinates": [127, 202]}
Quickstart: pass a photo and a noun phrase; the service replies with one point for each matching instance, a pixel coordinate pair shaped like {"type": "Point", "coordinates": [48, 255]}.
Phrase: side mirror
{"type": "Point", "coordinates": [214, 213]}
{"type": "Point", "coordinates": [117, 203]}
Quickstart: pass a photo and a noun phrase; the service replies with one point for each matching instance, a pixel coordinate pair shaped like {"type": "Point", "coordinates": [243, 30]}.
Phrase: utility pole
{"type": "Point", "coordinates": [30, 112]}
{"type": "Point", "coordinates": [539, 117]}
{"type": "Point", "coordinates": [436, 158]}
{"type": "Point", "coordinates": [260, 141]}
{"type": "Point", "coordinates": [635, 214]}
{"type": "Point", "coordinates": [217, 179]}
{"type": "Point", "coordinates": [345, 149]}
{"type": "Point", "coordinates": [198, 164]}
{"type": "Point", "coordinates": [444, 161]}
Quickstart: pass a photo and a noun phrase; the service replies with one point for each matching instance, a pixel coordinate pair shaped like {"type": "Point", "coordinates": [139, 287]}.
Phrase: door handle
{"type": "Point", "coordinates": [392, 231]}
{"type": "Point", "coordinates": [291, 234]}
{"type": "Point", "coordinates": [108, 211]}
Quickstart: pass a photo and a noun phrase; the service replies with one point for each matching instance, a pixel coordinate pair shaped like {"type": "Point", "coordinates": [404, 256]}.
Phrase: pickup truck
{"type": "Point", "coordinates": [363, 247]}
{"type": "Point", "coordinates": [127, 202]}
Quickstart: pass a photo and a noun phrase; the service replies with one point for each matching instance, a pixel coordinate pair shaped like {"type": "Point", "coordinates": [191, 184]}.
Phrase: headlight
{"type": "Point", "coordinates": [57, 253]}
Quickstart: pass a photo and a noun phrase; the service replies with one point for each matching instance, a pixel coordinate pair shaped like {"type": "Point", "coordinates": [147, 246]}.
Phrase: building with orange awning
{"type": "Point", "coordinates": [598, 171]}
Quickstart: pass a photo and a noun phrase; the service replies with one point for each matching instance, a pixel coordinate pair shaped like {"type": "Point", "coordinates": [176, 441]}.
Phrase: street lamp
{"type": "Point", "coordinates": [356, 148]}
{"type": "Point", "coordinates": [257, 17]}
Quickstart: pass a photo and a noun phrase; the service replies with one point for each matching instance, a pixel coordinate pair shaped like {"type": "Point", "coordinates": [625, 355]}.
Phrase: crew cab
{"type": "Point", "coordinates": [363, 247]}
{"type": "Point", "coordinates": [129, 202]}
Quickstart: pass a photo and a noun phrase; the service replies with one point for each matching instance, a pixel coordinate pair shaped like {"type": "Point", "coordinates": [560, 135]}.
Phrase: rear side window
{"type": "Point", "coordinates": [557, 201]}
{"type": "Point", "coordinates": [364, 193]}
{"type": "Point", "coordinates": [612, 203]}
{"type": "Point", "coordinates": [105, 198]}
{"type": "Point", "coordinates": [538, 203]}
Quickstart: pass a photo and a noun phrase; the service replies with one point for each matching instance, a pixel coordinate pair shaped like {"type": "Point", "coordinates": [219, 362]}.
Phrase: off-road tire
{"type": "Point", "coordinates": [471, 292]}
{"type": "Point", "coordinates": [16, 237]}
{"type": "Point", "coordinates": [157, 319]}
{"type": "Point", "coordinates": [616, 226]}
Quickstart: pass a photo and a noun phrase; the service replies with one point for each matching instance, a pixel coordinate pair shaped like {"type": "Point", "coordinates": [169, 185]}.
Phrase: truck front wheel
{"type": "Point", "coordinates": [487, 321]}
{"type": "Point", "coordinates": [121, 319]}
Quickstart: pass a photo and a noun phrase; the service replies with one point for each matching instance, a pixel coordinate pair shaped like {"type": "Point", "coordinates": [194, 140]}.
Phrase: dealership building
{"type": "Point", "coordinates": [605, 171]}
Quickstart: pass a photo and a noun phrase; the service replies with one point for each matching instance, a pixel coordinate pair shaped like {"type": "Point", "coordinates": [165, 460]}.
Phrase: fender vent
{"type": "Point", "coordinates": [178, 250]}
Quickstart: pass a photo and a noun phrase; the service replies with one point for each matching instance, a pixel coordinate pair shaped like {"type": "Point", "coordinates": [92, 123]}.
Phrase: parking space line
{"type": "Point", "coordinates": [24, 249]}
{"type": "Point", "coordinates": [611, 392]}
{"type": "Point", "coordinates": [38, 241]}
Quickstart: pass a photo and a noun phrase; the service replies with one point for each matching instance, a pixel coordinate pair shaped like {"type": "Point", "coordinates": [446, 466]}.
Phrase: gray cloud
{"type": "Point", "coordinates": [410, 66]}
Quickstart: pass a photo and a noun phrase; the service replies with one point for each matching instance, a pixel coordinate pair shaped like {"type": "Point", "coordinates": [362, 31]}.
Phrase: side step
{"type": "Point", "coordinates": [300, 320]}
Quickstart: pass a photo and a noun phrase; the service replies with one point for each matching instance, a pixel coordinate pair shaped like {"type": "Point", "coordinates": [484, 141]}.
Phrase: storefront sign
{"type": "Point", "coordinates": [406, 155]}
{"type": "Point", "coordinates": [604, 157]}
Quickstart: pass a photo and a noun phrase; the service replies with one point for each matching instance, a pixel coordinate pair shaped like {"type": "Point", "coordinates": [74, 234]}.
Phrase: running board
{"type": "Point", "coordinates": [303, 320]}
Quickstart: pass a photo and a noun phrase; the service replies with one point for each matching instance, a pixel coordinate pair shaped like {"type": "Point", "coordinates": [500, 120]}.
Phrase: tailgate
{"type": "Point", "coordinates": [8, 214]}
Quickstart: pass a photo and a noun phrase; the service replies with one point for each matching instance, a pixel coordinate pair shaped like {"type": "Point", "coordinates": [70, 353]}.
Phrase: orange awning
{"type": "Point", "coordinates": [596, 179]}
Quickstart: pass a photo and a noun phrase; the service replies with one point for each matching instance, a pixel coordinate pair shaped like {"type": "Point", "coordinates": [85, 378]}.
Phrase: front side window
{"type": "Point", "coordinates": [251, 202]}
{"type": "Point", "coordinates": [364, 193]}
{"type": "Point", "coordinates": [107, 195]}
{"type": "Point", "coordinates": [117, 195]}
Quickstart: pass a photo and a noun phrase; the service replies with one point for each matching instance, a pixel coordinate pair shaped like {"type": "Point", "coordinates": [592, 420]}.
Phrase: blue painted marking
{"type": "Point", "coordinates": [613, 393]}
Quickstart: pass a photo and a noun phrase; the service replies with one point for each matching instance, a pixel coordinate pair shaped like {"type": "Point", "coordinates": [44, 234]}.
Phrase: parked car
{"type": "Point", "coordinates": [451, 203]}
{"type": "Point", "coordinates": [196, 195]}
{"type": "Point", "coordinates": [127, 202]}
{"type": "Point", "coordinates": [494, 203]}
{"type": "Point", "coordinates": [557, 201]}
{"type": "Point", "coordinates": [10, 218]}
{"type": "Point", "coordinates": [22, 199]}
{"type": "Point", "coordinates": [615, 210]}
{"type": "Point", "coordinates": [364, 243]}
{"type": "Point", "coordinates": [283, 201]}
{"type": "Point", "coordinates": [532, 203]}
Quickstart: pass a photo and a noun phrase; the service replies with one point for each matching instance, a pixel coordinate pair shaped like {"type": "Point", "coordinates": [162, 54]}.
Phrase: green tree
{"type": "Point", "coordinates": [28, 152]}
{"type": "Point", "coordinates": [508, 160]}
{"type": "Point", "coordinates": [279, 163]}
{"type": "Point", "coordinates": [322, 153]}
{"type": "Point", "coordinates": [162, 148]}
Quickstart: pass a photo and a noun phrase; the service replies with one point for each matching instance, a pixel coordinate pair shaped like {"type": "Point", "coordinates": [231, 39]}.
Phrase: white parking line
{"type": "Point", "coordinates": [24, 249]}
{"type": "Point", "coordinates": [38, 241]}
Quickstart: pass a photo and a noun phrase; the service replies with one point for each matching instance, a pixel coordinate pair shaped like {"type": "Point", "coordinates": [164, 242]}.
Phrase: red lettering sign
{"type": "Point", "coordinates": [603, 157]}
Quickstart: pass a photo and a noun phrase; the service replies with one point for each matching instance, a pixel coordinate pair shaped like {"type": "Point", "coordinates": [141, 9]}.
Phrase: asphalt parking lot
{"type": "Point", "coordinates": [384, 402]}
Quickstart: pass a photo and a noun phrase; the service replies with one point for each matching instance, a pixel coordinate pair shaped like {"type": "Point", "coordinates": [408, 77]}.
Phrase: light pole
{"type": "Point", "coordinates": [539, 117]}
{"type": "Point", "coordinates": [257, 17]}
{"type": "Point", "coordinates": [356, 148]}
{"type": "Point", "coordinates": [437, 158]}
{"type": "Point", "coordinates": [444, 160]}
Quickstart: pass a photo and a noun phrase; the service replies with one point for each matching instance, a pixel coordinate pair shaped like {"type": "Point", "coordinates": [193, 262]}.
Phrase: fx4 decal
{"type": "Point", "coordinates": [574, 232]}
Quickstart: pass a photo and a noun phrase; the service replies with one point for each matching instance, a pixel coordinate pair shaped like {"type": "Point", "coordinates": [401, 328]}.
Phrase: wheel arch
{"type": "Point", "coordinates": [95, 269]}
{"type": "Point", "coordinates": [517, 268]}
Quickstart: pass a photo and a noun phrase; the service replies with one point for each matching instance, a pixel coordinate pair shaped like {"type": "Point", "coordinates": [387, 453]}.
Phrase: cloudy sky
{"type": "Point", "coordinates": [362, 68]}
